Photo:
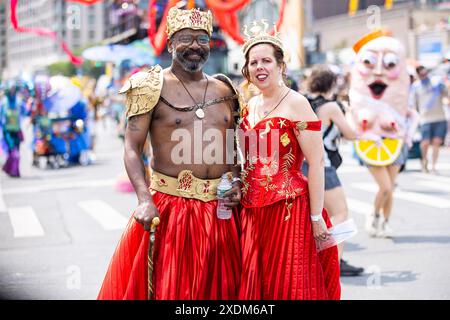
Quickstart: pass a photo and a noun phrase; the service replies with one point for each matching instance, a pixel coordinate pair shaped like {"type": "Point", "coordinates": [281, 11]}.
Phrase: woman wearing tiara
{"type": "Point", "coordinates": [282, 217]}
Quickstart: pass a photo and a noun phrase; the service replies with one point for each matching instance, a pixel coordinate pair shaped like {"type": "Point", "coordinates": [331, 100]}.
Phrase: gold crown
{"type": "Point", "coordinates": [258, 33]}
{"type": "Point", "coordinates": [178, 19]}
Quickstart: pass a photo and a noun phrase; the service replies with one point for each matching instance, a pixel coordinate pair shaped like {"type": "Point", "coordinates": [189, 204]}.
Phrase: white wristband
{"type": "Point", "coordinates": [316, 217]}
{"type": "Point", "coordinates": [235, 179]}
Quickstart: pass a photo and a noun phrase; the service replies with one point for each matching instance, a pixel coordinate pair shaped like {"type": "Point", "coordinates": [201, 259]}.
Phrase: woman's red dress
{"type": "Point", "coordinates": [280, 260]}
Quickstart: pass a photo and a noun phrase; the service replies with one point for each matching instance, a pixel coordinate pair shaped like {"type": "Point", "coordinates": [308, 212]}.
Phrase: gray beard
{"type": "Point", "coordinates": [189, 66]}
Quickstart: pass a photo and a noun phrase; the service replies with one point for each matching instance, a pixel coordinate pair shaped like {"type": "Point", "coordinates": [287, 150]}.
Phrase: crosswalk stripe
{"type": "Point", "coordinates": [358, 206]}
{"type": "Point", "coordinates": [355, 168]}
{"type": "Point", "coordinates": [435, 185]}
{"type": "Point", "coordinates": [2, 201]}
{"type": "Point", "coordinates": [432, 177]}
{"type": "Point", "coordinates": [25, 222]}
{"type": "Point", "coordinates": [415, 165]}
{"type": "Point", "coordinates": [61, 186]}
{"type": "Point", "coordinates": [108, 217]}
{"type": "Point", "coordinates": [423, 199]}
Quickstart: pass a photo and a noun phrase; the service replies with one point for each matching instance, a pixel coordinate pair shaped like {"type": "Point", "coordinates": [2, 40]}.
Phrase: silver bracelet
{"type": "Point", "coordinates": [316, 217]}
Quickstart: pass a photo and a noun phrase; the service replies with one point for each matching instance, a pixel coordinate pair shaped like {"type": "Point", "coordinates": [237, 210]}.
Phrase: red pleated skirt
{"type": "Point", "coordinates": [196, 255]}
{"type": "Point", "coordinates": [280, 260]}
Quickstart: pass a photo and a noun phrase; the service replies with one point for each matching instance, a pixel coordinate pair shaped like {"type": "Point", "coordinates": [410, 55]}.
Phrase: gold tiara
{"type": "Point", "coordinates": [258, 33]}
{"type": "Point", "coordinates": [178, 19]}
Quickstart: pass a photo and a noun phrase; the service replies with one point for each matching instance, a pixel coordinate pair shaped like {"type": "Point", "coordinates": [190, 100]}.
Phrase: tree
{"type": "Point", "coordinates": [64, 68]}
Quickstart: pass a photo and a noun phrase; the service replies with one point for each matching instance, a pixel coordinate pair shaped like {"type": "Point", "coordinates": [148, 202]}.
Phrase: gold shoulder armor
{"type": "Point", "coordinates": [241, 102]}
{"type": "Point", "coordinates": [143, 90]}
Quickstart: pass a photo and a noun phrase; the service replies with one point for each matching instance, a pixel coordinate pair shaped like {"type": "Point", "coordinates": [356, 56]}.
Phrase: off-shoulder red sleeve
{"type": "Point", "coordinates": [307, 125]}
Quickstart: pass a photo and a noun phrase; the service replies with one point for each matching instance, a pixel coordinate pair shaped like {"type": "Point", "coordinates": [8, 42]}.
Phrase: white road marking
{"type": "Point", "coordinates": [2, 201]}
{"type": "Point", "coordinates": [435, 185]}
{"type": "Point", "coordinates": [358, 206]}
{"type": "Point", "coordinates": [108, 217]}
{"type": "Point", "coordinates": [25, 222]}
{"type": "Point", "coordinates": [61, 186]}
{"type": "Point", "coordinates": [416, 197]}
{"type": "Point", "coordinates": [432, 177]}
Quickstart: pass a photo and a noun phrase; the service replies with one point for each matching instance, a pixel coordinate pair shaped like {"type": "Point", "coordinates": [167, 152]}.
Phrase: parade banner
{"type": "Point", "coordinates": [228, 21]}
{"type": "Point", "coordinates": [227, 6]}
{"type": "Point", "coordinates": [158, 37]}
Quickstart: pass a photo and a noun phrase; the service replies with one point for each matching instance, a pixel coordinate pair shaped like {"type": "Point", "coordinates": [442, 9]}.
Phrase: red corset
{"type": "Point", "coordinates": [273, 159]}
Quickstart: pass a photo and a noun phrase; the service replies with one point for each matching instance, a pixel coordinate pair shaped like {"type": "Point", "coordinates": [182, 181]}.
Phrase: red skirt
{"type": "Point", "coordinates": [280, 260]}
{"type": "Point", "coordinates": [196, 255]}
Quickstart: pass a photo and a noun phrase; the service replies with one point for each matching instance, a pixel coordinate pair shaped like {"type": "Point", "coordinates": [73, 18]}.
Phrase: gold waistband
{"type": "Point", "coordinates": [186, 185]}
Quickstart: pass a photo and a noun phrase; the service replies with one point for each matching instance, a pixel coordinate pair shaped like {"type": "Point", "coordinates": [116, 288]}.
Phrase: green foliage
{"type": "Point", "coordinates": [65, 68]}
{"type": "Point", "coordinates": [61, 68]}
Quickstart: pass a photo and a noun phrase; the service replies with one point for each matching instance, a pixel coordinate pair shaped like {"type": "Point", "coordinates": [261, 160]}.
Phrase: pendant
{"type": "Point", "coordinates": [200, 113]}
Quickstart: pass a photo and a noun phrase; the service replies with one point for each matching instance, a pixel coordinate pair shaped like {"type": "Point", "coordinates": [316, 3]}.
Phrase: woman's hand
{"type": "Point", "coordinates": [320, 230]}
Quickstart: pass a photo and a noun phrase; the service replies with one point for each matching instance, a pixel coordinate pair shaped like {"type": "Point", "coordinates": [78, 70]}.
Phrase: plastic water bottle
{"type": "Point", "coordinates": [223, 212]}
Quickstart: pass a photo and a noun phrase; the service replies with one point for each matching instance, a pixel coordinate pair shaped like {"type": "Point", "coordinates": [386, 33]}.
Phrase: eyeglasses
{"type": "Point", "coordinates": [202, 39]}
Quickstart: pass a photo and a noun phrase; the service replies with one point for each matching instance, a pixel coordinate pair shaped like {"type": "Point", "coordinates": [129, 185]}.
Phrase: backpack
{"type": "Point", "coordinates": [333, 155]}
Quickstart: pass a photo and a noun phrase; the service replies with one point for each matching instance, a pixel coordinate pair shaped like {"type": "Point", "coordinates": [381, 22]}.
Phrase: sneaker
{"type": "Point", "coordinates": [385, 230]}
{"type": "Point", "coordinates": [372, 224]}
{"type": "Point", "coordinates": [348, 270]}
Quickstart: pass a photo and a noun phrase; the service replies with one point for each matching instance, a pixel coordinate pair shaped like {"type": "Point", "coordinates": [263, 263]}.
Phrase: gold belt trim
{"type": "Point", "coordinates": [186, 186]}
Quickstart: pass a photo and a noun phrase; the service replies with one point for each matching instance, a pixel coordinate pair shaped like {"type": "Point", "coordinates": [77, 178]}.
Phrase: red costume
{"type": "Point", "coordinates": [280, 260]}
{"type": "Point", "coordinates": [189, 263]}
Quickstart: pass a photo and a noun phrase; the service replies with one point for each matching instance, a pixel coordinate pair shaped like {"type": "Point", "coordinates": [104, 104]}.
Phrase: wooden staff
{"type": "Point", "coordinates": [155, 222]}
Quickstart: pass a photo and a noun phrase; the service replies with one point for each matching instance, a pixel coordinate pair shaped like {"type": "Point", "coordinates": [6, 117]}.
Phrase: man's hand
{"type": "Point", "coordinates": [233, 196]}
{"type": "Point", "coordinates": [144, 214]}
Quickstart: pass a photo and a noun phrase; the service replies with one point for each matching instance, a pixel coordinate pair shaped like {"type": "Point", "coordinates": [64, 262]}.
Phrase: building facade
{"type": "Point", "coordinates": [76, 24]}
{"type": "Point", "coordinates": [3, 39]}
{"type": "Point", "coordinates": [423, 27]}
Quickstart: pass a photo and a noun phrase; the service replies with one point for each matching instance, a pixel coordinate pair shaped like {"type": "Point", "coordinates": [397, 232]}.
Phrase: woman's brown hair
{"type": "Point", "coordinates": [279, 58]}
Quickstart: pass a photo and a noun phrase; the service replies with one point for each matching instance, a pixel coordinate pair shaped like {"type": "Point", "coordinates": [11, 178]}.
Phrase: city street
{"type": "Point", "coordinates": [75, 216]}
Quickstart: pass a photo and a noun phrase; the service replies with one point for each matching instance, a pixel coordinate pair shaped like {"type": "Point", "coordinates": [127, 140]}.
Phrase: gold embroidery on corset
{"type": "Point", "coordinates": [267, 184]}
{"type": "Point", "coordinates": [284, 139]}
{"type": "Point", "coordinates": [286, 189]}
{"type": "Point", "coordinates": [282, 123]}
{"type": "Point", "coordinates": [288, 160]}
{"type": "Point", "coordinates": [266, 130]}
{"type": "Point", "coordinates": [302, 125]}
{"type": "Point", "coordinates": [244, 175]}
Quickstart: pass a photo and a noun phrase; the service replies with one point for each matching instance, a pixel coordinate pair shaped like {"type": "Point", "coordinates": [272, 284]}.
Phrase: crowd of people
{"type": "Point", "coordinates": [64, 114]}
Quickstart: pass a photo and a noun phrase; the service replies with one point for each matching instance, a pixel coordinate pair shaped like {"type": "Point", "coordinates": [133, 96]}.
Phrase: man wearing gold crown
{"type": "Point", "coordinates": [192, 254]}
{"type": "Point", "coordinates": [381, 115]}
